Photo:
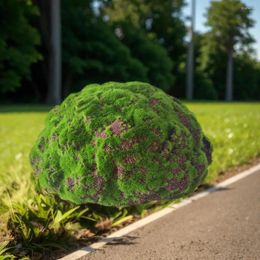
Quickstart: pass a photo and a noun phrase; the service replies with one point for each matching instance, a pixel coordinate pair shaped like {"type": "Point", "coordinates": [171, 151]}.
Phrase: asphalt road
{"type": "Point", "coordinates": [223, 225]}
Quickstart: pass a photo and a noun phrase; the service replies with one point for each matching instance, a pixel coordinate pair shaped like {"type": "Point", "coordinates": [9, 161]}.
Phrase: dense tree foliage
{"type": "Point", "coordinates": [153, 56]}
{"type": "Point", "coordinates": [247, 77]}
{"type": "Point", "coordinates": [92, 52]}
{"type": "Point", "coordinates": [125, 40]}
{"type": "Point", "coordinates": [162, 23]}
{"type": "Point", "coordinates": [18, 41]}
{"type": "Point", "coordinates": [204, 88]}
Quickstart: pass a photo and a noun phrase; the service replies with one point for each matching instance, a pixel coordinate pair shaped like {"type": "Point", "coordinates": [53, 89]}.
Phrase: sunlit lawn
{"type": "Point", "coordinates": [234, 130]}
{"type": "Point", "coordinates": [18, 130]}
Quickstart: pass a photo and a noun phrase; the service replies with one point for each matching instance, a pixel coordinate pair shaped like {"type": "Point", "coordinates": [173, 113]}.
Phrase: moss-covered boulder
{"type": "Point", "coordinates": [120, 144]}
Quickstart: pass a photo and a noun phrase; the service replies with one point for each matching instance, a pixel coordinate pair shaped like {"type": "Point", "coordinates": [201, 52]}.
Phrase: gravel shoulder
{"type": "Point", "coordinates": [223, 225]}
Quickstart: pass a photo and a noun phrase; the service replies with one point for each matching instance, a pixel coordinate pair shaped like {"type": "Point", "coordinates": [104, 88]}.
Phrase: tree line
{"type": "Point", "coordinates": [125, 40]}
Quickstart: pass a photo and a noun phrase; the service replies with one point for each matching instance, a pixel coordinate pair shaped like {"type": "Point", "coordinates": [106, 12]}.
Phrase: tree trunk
{"type": "Point", "coordinates": [54, 88]}
{"type": "Point", "coordinates": [190, 61]}
{"type": "Point", "coordinates": [229, 79]}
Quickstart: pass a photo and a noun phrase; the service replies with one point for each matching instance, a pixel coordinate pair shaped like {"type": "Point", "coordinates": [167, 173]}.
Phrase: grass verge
{"type": "Point", "coordinates": [33, 224]}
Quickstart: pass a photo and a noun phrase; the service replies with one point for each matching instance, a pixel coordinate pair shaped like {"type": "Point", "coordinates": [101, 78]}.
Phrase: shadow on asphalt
{"type": "Point", "coordinates": [221, 189]}
{"type": "Point", "coordinates": [211, 188]}
{"type": "Point", "coordinates": [126, 240]}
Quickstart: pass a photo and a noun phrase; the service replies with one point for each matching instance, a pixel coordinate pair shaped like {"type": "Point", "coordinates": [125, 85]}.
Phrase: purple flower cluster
{"type": "Point", "coordinates": [172, 185]}
{"type": "Point", "coordinates": [154, 102]}
{"type": "Point", "coordinates": [117, 127]}
{"type": "Point", "coordinates": [154, 146]}
{"type": "Point", "coordinates": [98, 183]}
{"type": "Point", "coordinates": [177, 184]}
{"type": "Point", "coordinates": [182, 184]}
{"type": "Point", "coordinates": [200, 168]}
{"type": "Point", "coordinates": [129, 160]}
{"type": "Point", "coordinates": [35, 161]}
{"type": "Point", "coordinates": [70, 183]}
{"type": "Point", "coordinates": [119, 171]}
{"type": "Point", "coordinates": [181, 159]}
{"type": "Point", "coordinates": [185, 121]}
{"type": "Point", "coordinates": [101, 134]}
{"type": "Point", "coordinates": [107, 148]}
{"type": "Point", "coordinates": [127, 144]}
{"type": "Point", "coordinates": [176, 171]}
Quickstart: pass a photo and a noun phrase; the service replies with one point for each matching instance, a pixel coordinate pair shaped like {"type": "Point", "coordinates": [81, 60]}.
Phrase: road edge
{"type": "Point", "coordinates": [76, 255]}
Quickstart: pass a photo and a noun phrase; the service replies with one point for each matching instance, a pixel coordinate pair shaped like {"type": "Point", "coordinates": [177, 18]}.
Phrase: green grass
{"type": "Point", "coordinates": [234, 130]}
{"type": "Point", "coordinates": [18, 131]}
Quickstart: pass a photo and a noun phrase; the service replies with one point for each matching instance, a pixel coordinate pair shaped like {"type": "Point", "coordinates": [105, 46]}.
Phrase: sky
{"type": "Point", "coordinates": [202, 5]}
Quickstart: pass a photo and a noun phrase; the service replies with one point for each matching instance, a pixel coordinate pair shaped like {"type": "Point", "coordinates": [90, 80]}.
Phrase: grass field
{"type": "Point", "coordinates": [234, 130]}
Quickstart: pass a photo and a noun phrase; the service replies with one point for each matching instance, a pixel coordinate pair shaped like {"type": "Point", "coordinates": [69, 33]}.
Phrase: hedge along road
{"type": "Point", "coordinates": [223, 225]}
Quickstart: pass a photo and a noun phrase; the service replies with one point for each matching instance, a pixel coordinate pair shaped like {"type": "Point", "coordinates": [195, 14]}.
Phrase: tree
{"type": "Point", "coordinates": [18, 43]}
{"type": "Point", "coordinates": [166, 22]}
{"type": "Point", "coordinates": [153, 56]}
{"type": "Point", "coordinates": [212, 63]}
{"type": "Point", "coordinates": [54, 86]}
{"type": "Point", "coordinates": [91, 51]}
{"type": "Point", "coordinates": [160, 22]}
{"type": "Point", "coordinates": [229, 22]}
{"type": "Point", "coordinates": [247, 80]}
{"type": "Point", "coordinates": [190, 60]}
{"type": "Point", "coordinates": [47, 73]}
{"type": "Point", "coordinates": [203, 85]}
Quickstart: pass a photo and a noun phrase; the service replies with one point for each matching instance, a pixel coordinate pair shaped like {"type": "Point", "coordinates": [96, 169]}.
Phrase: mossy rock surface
{"type": "Point", "coordinates": [120, 144]}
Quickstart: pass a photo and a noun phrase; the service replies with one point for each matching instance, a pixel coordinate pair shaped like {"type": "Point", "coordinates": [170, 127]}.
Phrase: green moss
{"type": "Point", "coordinates": [120, 144]}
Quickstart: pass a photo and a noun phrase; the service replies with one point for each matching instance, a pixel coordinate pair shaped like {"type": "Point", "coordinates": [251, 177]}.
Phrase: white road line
{"type": "Point", "coordinates": [140, 223]}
